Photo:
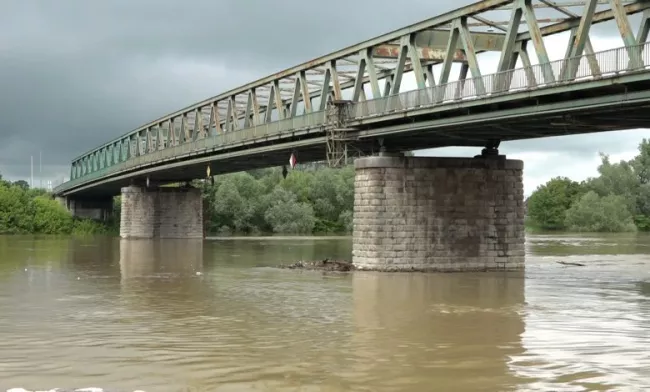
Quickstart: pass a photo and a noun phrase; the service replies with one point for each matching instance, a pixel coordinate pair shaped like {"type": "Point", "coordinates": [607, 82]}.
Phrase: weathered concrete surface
{"type": "Point", "coordinates": [161, 213]}
{"type": "Point", "coordinates": [438, 214]}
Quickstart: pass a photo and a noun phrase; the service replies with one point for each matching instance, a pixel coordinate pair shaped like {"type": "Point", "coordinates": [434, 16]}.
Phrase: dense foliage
{"type": "Point", "coordinates": [617, 200]}
{"type": "Point", "coordinates": [24, 210]}
{"type": "Point", "coordinates": [310, 199]}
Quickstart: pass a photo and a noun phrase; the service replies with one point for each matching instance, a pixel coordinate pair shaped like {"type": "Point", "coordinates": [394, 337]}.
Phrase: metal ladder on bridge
{"type": "Point", "coordinates": [337, 135]}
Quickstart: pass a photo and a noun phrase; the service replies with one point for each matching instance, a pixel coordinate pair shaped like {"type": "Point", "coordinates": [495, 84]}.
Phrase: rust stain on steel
{"type": "Point", "coordinates": [392, 51]}
{"type": "Point", "coordinates": [438, 39]}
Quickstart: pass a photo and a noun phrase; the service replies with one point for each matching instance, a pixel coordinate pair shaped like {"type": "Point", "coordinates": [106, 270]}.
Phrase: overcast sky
{"type": "Point", "coordinates": [77, 73]}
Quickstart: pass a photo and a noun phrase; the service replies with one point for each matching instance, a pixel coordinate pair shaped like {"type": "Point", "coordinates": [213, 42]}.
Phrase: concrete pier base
{"type": "Point", "coordinates": [438, 214]}
{"type": "Point", "coordinates": [161, 213]}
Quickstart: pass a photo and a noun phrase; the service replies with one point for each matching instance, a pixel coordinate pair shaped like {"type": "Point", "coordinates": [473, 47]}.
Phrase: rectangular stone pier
{"type": "Point", "coordinates": [161, 213]}
{"type": "Point", "coordinates": [438, 214]}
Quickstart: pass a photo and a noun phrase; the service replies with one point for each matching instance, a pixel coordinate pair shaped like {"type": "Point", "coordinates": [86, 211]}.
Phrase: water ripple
{"type": "Point", "coordinates": [169, 317]}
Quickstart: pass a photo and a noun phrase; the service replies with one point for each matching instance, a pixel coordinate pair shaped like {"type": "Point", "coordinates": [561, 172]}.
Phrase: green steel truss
{"type": "Point", "coordinates": [369, 76]}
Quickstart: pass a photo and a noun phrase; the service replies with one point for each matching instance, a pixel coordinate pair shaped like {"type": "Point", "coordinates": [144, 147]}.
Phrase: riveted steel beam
{"type": "Point", "coordinates": [399, 67]}
{"type": "Point", "coordinates": [537, 40]}
{"type": "Point", "coordinates": [625, 29]}
{"type": "Point", "coordinates": [644, 28]}
{"type": "Point", "coordinates": [642, 35]}
{"type": "Point", "coordinates": [446, 65]}
{"type": "Point", "coordinates": [470, 53]}
{"type": "Point", "coordinates": [432, 45]}
{"type": "Point", "coordinates": [358, 82]}
{"type": "Point", "coordinates": [198, 132]}
{"type": "Point", "coordinates": [304, 89]}
{"type": "Point", "coordinates": [372, 72]}
{"type": "Point", "coordinates": [508, 57]}
{"type": "Point", "coordinates": [599, 17]}
{"type": "Point", "coordinates": [416, 61]}
{"type": "Point", "coordinates": [578, 40]}
{"type": "Point", "coordinates": [462, 77]}
{"type": "Point", "coordinates": [325, 89]}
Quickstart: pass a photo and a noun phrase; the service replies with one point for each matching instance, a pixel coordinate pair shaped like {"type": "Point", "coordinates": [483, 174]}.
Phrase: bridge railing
{"type": "Point", "coordinates": [220, 140]}
{"type": "Point", "coordinates": [561, 72]}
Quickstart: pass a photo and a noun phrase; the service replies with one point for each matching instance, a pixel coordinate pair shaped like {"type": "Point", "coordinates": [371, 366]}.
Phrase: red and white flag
{"type": "Point", "coordinates": [292, 161]}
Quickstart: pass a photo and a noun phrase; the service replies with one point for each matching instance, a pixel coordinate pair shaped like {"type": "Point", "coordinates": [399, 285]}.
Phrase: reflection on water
{"type": "Point", "coordinates": [173, 314]}
{"type": "Point", "coordinates": [151, 259]}
{"type": "Point", "coordinates": [457, 330]}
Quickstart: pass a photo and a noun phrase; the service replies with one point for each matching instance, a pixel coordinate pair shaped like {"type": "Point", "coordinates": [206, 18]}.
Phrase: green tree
{"type": "Point", "coordinates": [22, 184]}
{"type": "Point", "coordinates": [618, 179]}
{"type": "Point", "coordinates": [236, 204]}
{"type": "Point", "coordinates": [24, 210]}
{"type": "Point", "coordinates": [16, 210]}
{"type": "Point", "coordinates": [547, 206]}
{"type": "Point", "coordinates": [641, 162]}
{"type": "Point", "coordinates": [50, 217]}
{"type": "Point", "coordinates": [249, 202]}
{"type": "Point", "coordinates": [593, 213]}
{"type": "Point", "coordinates": [300, 183]}
{"type": "Point", "coordinates": [287, 215]}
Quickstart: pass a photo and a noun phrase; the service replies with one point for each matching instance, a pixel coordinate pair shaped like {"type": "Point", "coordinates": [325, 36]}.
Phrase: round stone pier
{"type": "Point", "coordinates": [438, 214]}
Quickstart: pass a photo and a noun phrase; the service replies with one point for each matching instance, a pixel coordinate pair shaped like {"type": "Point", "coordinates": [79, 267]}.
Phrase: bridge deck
{"type": "Point", "coordinates": [583, 92]}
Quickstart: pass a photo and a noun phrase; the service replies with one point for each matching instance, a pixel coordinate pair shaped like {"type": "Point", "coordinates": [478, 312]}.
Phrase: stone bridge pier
{"type": "Point", "coordinates": [161, 212]}
{"type": "Point", "coordinates": [438, 214]}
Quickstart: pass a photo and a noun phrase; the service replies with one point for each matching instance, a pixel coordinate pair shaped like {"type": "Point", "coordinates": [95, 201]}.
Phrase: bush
{"type": "Point", "coordinates": [310, 199]}
{"type": "Point", "coordinates": [287, 215]}
{"type": "Point", "coordinates": [33, 211]}
{"type": "Point", "coordinates": [50, 217]}
{"type": "Point", "coordinates": [595, 214]}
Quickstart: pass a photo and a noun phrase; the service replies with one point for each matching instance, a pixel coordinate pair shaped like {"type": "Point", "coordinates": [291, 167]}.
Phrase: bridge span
{"type": "Point", "coordinates": [410, 213]}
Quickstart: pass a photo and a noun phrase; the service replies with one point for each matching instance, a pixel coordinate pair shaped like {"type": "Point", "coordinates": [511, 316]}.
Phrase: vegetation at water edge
{"type": "Point", "coordinates": [617, 200]}
{"type": "Point", "coordinates": [311, 199]}
{"type": "Point", "coordinates": [34, 211]}
{"type": "Point", "coordinates": [315, 199]}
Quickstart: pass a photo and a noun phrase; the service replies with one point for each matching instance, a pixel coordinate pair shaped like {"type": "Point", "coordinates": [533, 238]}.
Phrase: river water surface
{"type": "Point", "coordinates": [212, 316]}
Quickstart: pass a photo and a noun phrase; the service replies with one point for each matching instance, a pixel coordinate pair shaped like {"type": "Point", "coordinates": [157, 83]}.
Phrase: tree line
{"type": "Point", "coordinates": [314, 199]}
{"type": "Point", "coordinates": [34, 211]}
{"type": "Point", "coordinates": [617, 200]}
{"type": "Point", "coordinates": [310, 199]}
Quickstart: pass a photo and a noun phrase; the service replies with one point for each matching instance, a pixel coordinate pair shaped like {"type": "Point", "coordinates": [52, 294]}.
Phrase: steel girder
{"type": "Point", "coordinates": [375, 69]}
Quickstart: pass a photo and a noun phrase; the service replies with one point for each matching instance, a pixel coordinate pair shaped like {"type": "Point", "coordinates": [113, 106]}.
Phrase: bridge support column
{"type": "Point", "coordinates": [438, 214]}
{"type": "Point", "coordinates": [161, 213]}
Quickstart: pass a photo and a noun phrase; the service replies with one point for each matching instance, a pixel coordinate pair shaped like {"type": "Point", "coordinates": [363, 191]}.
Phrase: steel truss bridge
{"type": "Point", "coordinates": [351, 102]}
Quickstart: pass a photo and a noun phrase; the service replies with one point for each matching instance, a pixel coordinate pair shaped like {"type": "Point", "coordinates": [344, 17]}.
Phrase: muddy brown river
{"type": "Point", "coordinates": [213, 316]}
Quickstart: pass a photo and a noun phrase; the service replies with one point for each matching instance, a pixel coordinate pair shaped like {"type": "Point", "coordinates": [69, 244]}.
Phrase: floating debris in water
{"type": "Point", "coordinates": [321, 265]}
{"type": "Point", "coordinates": [571, 263]}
